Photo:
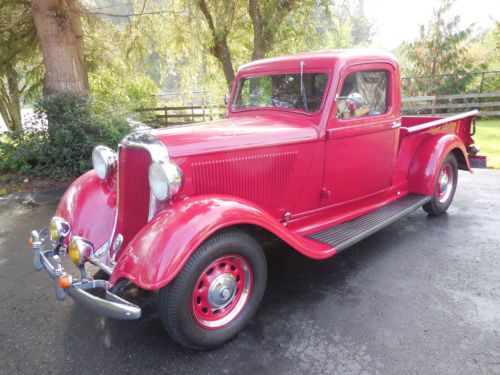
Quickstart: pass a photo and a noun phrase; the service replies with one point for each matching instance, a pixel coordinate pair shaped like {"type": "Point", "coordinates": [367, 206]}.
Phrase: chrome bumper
{"type": "Point", "coordinates": [112, 305]}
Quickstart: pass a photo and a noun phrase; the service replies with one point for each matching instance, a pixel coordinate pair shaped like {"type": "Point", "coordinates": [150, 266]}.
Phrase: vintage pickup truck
{"type": "Point", "coordinates": [314, 152]}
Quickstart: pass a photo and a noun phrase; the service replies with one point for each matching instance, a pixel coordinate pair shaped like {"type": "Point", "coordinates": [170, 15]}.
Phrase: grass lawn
{"type": "Point", "coordinates": [488, 139]}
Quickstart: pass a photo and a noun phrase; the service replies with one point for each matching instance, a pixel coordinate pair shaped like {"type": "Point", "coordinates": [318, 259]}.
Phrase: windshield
{"type": "Point", "coordinates": [281, 91]}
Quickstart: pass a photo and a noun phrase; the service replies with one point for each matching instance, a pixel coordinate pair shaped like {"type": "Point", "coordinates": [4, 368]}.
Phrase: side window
{"type": "Point", "coordinates": [363, 94]}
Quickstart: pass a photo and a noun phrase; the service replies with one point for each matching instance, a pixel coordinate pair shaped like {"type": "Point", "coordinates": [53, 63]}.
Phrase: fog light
{"type": "Point", "coordinates": [80, 250]}
{"type": "Point", "coordinates": [58, 228]}
{"type": "Point", "coordinates": [65, 281]}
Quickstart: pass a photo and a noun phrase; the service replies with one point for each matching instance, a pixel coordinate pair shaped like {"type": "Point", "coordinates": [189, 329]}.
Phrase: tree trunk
{"type": "Point", "coordinates": [258, 51]}
{"type": "Point", "coordinates": [220, 49]}
{"type": "Point", "coordinates": [60, 36]}
{"type": "Point", "coordinates": [222, 53]}
{"type": "Point", "coordinates": [265, 28]}
{"type": "Point", "coordinates": [10, 102]}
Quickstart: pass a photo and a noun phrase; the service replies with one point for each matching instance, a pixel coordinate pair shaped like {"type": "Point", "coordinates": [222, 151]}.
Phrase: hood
{"type": "Point", "coordinates": [235, 133]}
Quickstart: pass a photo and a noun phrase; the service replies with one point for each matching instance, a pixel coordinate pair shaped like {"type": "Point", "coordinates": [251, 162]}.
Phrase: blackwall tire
{"type": "Point", "coordinates": [217, 292]}
{"type": "Point", "coordinates": [444, 187]}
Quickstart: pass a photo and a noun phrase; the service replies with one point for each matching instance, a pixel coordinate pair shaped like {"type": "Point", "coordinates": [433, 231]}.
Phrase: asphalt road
{"type": "Point", "coordinates": [420, 297]}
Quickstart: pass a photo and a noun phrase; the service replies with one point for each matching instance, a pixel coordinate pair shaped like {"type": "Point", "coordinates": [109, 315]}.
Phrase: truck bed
{"type": "Point", "coordinates": [413, 124]}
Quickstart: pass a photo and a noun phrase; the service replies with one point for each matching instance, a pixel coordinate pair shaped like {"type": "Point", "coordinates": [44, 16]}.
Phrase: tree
{"type": "Point", "coordinates": [20, 62]}
{"type": "Point", "coordinates": [60, 37]}
{"type": "Point", "coordinates": [220, 18]}
{"type": "Point", "coordinates": [267, 17]}
{"type": "Point", "coordinates": [361, 26]}
{"type": "Point", "coordinates": [441, 48]}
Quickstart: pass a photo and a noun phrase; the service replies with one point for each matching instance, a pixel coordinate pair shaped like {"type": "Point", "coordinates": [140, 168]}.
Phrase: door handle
{"type": "Point", "coordinates": [395, 125]}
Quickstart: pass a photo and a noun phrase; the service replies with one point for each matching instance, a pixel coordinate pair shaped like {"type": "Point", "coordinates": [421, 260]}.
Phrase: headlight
{"type": "Point", "coordinates": [80, 250]}
{"type": "Point", "coordinates": [165, 179]}
{"type": "Point", "coordinates": [104, 161]}
{"type": "Point", "coordinates": [59, 228]}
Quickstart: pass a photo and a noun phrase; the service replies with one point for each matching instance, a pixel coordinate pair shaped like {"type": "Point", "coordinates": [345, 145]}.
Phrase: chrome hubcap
{"type": "Point", "coordinates": [221, 291]}
{"type": "Point", "coordinates": [445, 183]}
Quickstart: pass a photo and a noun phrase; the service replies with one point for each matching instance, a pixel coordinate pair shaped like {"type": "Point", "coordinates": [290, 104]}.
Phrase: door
{"type": "Point", "coordinates": [362, 135]}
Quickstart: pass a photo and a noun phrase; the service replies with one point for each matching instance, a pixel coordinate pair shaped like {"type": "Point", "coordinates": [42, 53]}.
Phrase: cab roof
{"type": "Point", "coordinates": [320, 59]}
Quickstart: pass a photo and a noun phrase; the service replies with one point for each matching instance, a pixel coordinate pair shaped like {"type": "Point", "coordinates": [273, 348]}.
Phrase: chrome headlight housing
{"type": "Point", "coordinates": [165, 179]}
{"type": "Point", "coordinates": [104, 161]}
{"type": "Point", "coordinates": [58, 228]}
{"type": "Point", "coordinates": [80, 250]}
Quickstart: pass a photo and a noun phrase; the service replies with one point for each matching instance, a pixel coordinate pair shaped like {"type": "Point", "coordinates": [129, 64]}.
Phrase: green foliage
{"type": "Point", "coordinates": [441, 48]}
{"type": "Point", "coordinates": [23, 152]}
{"type": "Point", "coordinates": [117, 83]}
{"type": "Point", "coordinates": [173, 43]}
{"type": "Point", "coordinates": [488, 137]}
{"type": "Point", "coordinates": [112, 93]}
{"type": "Point", "coordinates": [73, 131]}
{"type": "Point", "coordinates": [62, 146]}
{"type": "Point", "coordinates": [492, 39]}
{"type": "Point", "coordinates": [20, 61]}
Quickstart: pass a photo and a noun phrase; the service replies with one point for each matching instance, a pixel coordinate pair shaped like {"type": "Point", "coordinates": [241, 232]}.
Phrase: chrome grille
{"type": "Point", "coordinates": [133, 192]}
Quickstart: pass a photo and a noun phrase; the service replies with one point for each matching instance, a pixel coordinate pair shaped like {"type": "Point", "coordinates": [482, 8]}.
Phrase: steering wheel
{"type": "Point", "coordinates": [312, 102]}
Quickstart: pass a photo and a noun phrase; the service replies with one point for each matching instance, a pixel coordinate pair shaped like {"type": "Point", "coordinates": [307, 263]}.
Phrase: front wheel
{"type": "Point", "coordinates": [217, 292]}
{"type": "Point", "coordinates": [444, 188]}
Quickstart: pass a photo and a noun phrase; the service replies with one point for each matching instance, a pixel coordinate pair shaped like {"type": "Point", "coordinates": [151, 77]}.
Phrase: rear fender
{"type": "Point", "coordinates": [89, 205]}
{"type": "Point", "coordinates": [429, 157]}
{"type": "Point", "coordinates": [158, 252]}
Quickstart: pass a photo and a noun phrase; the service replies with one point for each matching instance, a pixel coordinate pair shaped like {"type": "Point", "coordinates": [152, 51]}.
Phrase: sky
{"type": "Point", "coordinates": [399, 20]}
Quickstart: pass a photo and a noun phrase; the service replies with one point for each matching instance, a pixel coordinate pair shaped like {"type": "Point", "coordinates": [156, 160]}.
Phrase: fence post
{"type": "Point", "coordinates": [192, 108]}
{"type": "Point", "coordinates": [203, 105]}
{"type": "Point", "coordinates": [166, 115]}
{"type": "Point", "coordinates": [482, 81]}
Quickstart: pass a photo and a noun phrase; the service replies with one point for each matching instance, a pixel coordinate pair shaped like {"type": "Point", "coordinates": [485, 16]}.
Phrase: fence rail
{"type": "Point", "coordinates": [445, 105]}
{"type": "Point", "coordinates": [181, 115]}
{"type": "Point", "coordinates": [488, 105]}
{"type": "Point", "coordinates": [451, 83]}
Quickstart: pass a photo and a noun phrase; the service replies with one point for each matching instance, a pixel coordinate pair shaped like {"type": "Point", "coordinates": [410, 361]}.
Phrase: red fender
{"type": "Point", "coordinates": [158, 252]}
{"type": "Point", "coordinates": [429, 157]}
{"type": "Point", "coordinates": [87, 201]}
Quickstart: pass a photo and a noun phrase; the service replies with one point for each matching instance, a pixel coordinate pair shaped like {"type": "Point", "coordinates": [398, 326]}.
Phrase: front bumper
{"type": "Point", "coordinates": [111, 305]}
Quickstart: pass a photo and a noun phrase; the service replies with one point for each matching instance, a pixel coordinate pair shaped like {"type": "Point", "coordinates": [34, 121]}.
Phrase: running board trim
{"type": "Point", "coordinates": [346, 234]}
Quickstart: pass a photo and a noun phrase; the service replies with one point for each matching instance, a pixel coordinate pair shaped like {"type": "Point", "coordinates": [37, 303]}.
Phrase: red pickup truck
{"type": "Point", "coordinates": [314, 152]}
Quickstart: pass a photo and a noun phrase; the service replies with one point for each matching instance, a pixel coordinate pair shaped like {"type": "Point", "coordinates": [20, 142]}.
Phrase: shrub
{"type": "Point", "coordinates": [61, 142]}
{"type": "Point", "coordinates": [23, 151]}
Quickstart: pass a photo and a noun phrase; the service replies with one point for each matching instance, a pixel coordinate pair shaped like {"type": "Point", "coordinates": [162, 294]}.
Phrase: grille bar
{"type": "Point", "coordinates": [133, 192]}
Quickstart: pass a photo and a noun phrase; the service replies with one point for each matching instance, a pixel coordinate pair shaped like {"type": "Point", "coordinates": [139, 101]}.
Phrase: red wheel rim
{"type": "Point", "coordinates": [221, 291]}
{"type": "Point", "coordinates": [445, 183]}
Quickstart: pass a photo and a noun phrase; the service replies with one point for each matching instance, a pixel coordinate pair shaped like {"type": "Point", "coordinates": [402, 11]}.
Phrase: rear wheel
{"type": "Point", "coordinates": [444, 188]}
{"type": "Point", "coordinates": [217, 292]}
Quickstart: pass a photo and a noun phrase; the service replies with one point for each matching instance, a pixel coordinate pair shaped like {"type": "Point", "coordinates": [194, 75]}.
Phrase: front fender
{"type": "Point", "coordinates": [158, 252]}
{"type": "Point", "coordinates": [429, 157]}
{"type": "Point", "coordinates": [89, 205]}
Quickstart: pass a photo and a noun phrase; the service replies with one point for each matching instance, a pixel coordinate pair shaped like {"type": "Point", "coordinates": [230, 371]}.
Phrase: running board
{"type": "Point", "coordinates": [343, 235]}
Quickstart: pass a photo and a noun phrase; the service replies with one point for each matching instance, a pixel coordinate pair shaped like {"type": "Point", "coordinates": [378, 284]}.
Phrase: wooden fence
{"type": "Point", "coordinates": [488, 104]}
{"type": "Point", "coordinates": [165, 116]}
